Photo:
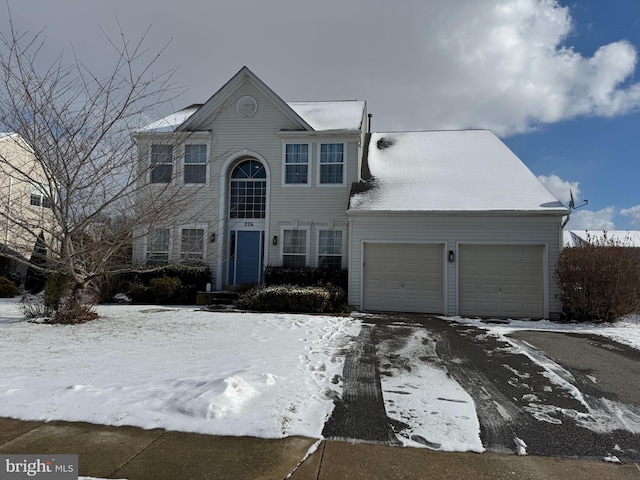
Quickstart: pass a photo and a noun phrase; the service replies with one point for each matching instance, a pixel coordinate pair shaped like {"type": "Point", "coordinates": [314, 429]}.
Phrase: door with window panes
{"type": "Point", "coordinates": [246, 222]}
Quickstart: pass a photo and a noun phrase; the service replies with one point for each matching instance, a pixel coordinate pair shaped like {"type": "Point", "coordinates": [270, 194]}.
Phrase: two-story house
{"type": "Point", "coordinates": [440, 222]}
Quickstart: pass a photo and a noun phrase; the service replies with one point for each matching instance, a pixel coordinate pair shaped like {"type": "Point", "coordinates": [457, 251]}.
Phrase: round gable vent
{"type": "Point", "coordinates": [247, 106]}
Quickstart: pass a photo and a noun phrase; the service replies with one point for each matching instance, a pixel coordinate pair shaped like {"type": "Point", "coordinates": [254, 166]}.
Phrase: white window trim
{"type": "Point", "coordinates": [205, 238]}
{"type": "Point", "coordinates": [184, 165]}
{"type": "Point", "coordinates": [344, 164]}
{"type": "Point", "coordinates": [307, 241]}
{"type": "Point", "coordinates": [318, 229]}
{"type": "Point", "coordinates": [173, 166]}
{"type": "Point", "coordinates": [284, 164]}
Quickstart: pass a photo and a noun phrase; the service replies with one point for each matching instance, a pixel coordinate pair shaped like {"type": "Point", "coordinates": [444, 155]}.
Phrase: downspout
{"type": "Point", "coordinates": [6, 232]}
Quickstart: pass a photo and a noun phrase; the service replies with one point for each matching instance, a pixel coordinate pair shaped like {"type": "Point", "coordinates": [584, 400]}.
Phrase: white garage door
{"type": "Point", "coordinates": [501, 281]}
{"type": "Point", "coordinates": [403, 277]}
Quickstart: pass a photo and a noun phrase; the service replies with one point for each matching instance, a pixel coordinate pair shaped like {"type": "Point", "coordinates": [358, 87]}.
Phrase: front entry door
{"type": "Point", "coordinates": [248, 257]}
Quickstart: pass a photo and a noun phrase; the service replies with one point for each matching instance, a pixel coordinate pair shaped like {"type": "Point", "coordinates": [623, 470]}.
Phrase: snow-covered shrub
{"type": "Point", "coordinates": [599, 281]}
{"type": "Point", "coordinates": [286, 298]}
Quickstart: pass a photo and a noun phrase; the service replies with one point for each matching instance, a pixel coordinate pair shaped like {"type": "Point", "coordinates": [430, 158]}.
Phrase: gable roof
{"type": "Point", "coordinates": [309, 116]}
{"type": "Point", "coordinates": [212, 106]}
{"type": "Point", "coordinates": [449, 171]}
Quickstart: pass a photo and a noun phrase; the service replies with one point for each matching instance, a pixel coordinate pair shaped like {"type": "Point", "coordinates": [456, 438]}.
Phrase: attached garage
{"type": "Point", "coordinates": [501, 281]}
{"type": "Point", "coordinates": [403, 277]}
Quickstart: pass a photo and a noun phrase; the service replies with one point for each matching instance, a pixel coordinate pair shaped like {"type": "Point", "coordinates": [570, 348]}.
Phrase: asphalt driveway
{"type": "Point", "coordinates": [564, 395]}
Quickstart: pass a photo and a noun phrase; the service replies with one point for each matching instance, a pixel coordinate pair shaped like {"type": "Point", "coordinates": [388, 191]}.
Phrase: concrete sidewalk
{"type": "Point", "coordinates": [137, 454]}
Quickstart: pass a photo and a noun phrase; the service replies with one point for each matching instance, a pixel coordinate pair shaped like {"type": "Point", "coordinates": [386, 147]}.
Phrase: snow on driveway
{"type": "Point", "coordinates": [267, 375]}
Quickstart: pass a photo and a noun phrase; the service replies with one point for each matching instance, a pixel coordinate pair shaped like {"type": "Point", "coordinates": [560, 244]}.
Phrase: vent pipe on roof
{"type": "Point", "coordinates": [369, 126]}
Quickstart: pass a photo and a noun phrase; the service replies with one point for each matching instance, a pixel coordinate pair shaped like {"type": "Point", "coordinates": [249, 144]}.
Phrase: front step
{"type": "Point", "coordinates": [216, 298]}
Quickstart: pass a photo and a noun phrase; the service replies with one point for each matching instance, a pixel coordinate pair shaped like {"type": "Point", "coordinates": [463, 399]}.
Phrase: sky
{"type": "Point", "coordinates": [556, 80]}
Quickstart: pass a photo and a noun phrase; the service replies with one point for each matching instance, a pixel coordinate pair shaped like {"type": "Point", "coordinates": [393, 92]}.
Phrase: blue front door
{"type": "Point", "coordinates": [248, 257]}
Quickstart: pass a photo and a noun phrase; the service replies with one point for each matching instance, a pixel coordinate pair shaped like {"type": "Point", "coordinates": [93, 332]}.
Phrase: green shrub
{"type": "Point", "coordinates": [8, 288]}
{"type": "Point", "coordinates": [193, 279]}
{"type": "Point", "coordinates": [305, 276]}
{"type": "Point", "coordinates": [164, 289]}
{"type": "Point", "coordinates": [293, 298]}
{"type": "Point", "coordinates": [56, 288]}
{"type": "Point", "coordinates": [599, 282]}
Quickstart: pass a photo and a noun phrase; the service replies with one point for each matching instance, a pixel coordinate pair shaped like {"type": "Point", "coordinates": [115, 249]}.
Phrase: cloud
{"type": "Point", "coordinates": [507, 65]}
{"type": "Point", "coordinates": [561, 188]}
{"type": "Point", "coordinates": [512, 67]}
{"type": "Point", "coordinates": [634, 213]}
{"type": "Point", "coordinates": [590, 220]}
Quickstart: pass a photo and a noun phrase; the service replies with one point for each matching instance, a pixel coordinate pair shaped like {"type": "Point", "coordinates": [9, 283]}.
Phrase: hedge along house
{"type": "Point", "coordinates": [438, 222]}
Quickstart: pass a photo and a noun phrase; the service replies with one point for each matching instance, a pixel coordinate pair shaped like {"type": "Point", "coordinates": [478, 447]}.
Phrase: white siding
{"type": "Point", "coordinates": [232, 137]}
{"type": "Point", "coordinates": [452, 230]}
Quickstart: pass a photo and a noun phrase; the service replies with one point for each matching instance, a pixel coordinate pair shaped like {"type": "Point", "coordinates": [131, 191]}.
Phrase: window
{"type": "Point", "coordinates": [192, 245]}
{"type": "Point", "coordinates": [294, 248]}
{"type": "Point", "coordinates": [158, 246]}
{"type": "Point", "coordinates": [330, 249]}
{"type": "Point", "coordinates": [195, 164]}
{"type": "Point", "coordinates": [40, 196]}
{"type": "Point", "coordinates": [296, 163]}
{"type": "Point", "coordinates": [331, 163]}
{"type": "Point", "coordinates": [248, 190]}
{"type": "Point", "coordinates": [161, 163]}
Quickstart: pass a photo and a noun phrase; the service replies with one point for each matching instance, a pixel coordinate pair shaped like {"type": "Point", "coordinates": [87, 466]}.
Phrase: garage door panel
{"type": "Point", "coordinates": [501, 280]}
{"type": "Point", "coordinates": [403, 277]}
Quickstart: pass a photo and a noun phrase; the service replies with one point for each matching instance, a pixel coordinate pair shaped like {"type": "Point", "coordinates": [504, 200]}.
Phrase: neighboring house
{"type": "Point", "coordinates": [441, 222]}
{"type": "Point", "coordinates": [625, 238]}
{"type": "Point", "coordinates": [24, 203]}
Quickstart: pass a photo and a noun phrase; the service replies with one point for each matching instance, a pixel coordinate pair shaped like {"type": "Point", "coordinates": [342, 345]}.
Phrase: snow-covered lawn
{"type": "Point", "coordinates": [267, 375]}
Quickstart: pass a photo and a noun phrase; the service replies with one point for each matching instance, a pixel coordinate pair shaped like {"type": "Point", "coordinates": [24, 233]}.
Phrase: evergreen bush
{"type": "Point", "coordinates": [293, 298]}
{"type": "Point", "coordinates": [8, 288]}
{"type": "Point", "coordinates": [305, 276]}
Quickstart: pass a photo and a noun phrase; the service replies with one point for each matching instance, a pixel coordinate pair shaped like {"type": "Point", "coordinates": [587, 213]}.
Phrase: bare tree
{"type": "Point", "coordinates": [76, 128]}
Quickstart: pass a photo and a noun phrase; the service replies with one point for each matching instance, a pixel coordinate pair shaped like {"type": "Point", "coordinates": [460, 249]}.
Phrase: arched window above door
{"type": "Point", "coordinates": [248, 190]}
{"type": "Point", "coordinates": [249, 169]}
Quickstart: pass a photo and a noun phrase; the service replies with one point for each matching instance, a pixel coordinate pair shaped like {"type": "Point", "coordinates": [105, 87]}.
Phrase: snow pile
{"type": "Point", "coordinates": [269, 375]}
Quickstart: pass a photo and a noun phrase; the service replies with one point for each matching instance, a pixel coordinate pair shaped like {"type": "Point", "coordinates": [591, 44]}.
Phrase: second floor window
{"type": "Point", "coordinates": [161, 163]}
{"type": "Point", "coordinates": [331, 163]}
{"type": "Point", "coordinates": [39, 198]}
{"type": "Point", "coordinates": [296, 163]}
{"type": "Point", "coordinates": [195, 164]}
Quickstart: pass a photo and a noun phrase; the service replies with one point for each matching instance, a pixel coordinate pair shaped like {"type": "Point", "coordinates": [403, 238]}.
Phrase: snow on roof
{"type": "Point", "coordinates": [626, 238]}
{"type": "Point", "coordinates": [171, 122]}
{"type": "Point", "coordinates": [470, 170]}
{"type": "Point", "coordinates": [338, 115]}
